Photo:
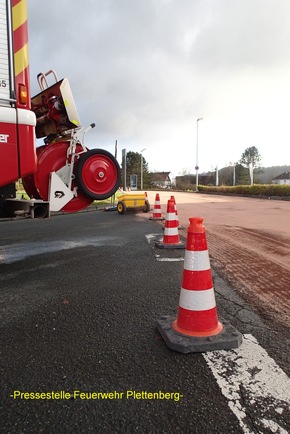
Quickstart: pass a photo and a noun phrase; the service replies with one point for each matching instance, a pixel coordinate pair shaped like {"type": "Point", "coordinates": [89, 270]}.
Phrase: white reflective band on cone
{"type": "Point", "coordinates": [171, 231]}
{"type": "Point", "coordinates": [171, 216]}
{"type": "Point", "coordinates": [196, 260]}
{"type": "Point", "coordinates": [197, 300]}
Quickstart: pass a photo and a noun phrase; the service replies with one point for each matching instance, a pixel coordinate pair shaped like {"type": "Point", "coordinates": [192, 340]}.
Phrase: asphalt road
{"type": "Point", "coordinates": [80, 296]}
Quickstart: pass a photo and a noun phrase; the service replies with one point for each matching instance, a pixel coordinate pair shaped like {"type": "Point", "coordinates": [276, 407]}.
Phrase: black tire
{"type": "Point", "coordinates": [98, 174]}
{"type": "Point", "coordinates": [147, 206]}
{"type": "Point", "coordinates": [121, 207]}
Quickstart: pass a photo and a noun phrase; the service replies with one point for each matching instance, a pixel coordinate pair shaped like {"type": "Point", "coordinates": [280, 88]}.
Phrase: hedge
{"type": "Point", "coordinates": [260, 190]}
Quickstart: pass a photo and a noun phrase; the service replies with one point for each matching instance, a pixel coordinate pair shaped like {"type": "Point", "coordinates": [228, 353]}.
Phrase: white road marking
{"type": "Point", "coordinates": [150, 239]}
{"type": "Point", "coordinates": [169, 259]}
{"type": "Point", "coordinates": [257, 390]}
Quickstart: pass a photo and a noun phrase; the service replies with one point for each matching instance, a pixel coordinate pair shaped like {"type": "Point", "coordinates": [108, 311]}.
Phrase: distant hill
{"type": "Point", "coordinates": [264, 175]}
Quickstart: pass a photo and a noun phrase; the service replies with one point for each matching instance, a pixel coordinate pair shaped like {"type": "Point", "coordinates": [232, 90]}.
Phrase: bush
{"type": "Point", "coordinates": [260, 190]}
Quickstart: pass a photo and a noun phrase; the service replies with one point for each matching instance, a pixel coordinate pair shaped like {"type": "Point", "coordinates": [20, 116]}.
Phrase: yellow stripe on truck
{"type": "Point", "coordinates": [21, 60]}
{"type": "Point", "coordinates": [19, 14]}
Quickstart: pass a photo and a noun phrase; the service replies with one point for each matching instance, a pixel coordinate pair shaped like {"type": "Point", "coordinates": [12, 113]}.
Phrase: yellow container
{"type": "Point", "coordinates": [133, 202]}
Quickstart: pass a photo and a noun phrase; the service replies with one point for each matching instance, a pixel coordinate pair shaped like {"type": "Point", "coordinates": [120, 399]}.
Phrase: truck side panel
{"type": "Point", "coordinates": [26, 120]}
{"type": "Point", "coordinates": [8, 146]}
{"type": "Point", "coordinates": [17, 121]}
{"type": "Point", "coordinates": [5, 85]}
{"type": "Point", "coordinates": [8, 130]}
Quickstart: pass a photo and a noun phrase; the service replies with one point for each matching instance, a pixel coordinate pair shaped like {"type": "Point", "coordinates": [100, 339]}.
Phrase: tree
{"type": "Point", "coordinates": [226, 175]}
{"type": "Point", "coordinates": [242, 175]}
{"type": "Point", "coordinates": [251, 156]}
{"type": "Point", "coordinates": [133, 167]}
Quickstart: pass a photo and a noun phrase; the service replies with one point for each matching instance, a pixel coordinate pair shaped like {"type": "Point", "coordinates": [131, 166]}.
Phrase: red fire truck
{"type": "Point", "coordinates": [62, 174]}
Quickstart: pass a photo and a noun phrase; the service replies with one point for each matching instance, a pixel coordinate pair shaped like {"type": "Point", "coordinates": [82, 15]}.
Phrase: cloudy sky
{"type": "Point", "coordinates": [145, 70]}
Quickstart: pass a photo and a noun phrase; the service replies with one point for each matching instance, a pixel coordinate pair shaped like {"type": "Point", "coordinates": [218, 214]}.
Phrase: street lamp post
{"type": "Point", "coordinates": [233, 165]}
{"type": "Point", "coordinates": [217, 176]}
{"type": "Point", "coordinates": [141, 172]}
{"type": "Point", "coordinates": [196, 161]}
{"type": "Point", "coordinates": [234, 174]}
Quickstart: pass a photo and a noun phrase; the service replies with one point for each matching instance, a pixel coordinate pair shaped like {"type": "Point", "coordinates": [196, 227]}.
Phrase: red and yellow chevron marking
{"type": "Point", "coordinates": [20, 37]}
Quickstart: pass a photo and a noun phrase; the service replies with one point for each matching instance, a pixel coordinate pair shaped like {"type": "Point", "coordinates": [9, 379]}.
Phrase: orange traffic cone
{"type": "Point", "coordinates": [157, 209]}
{"type": "Point", "coordinates": [175, 207]}
{"type": "Point", "coordinates": [197, 328]}
{"type": "Point", "coordinates": [171, 237]}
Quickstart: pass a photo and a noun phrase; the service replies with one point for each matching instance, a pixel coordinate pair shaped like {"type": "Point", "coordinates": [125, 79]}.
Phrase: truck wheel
{"type": "Point", "coordinates": [98, 174]}
{"type": "Point", "coordinates": [147, 206]}
{"type": "Point", "coordinates": [51, 159]}
{"type": "Point", "coordinates": [121, 207]}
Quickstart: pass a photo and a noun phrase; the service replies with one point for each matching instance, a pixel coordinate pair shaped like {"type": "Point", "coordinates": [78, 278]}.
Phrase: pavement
{"type": "Point", "coordinates": [80, 351]}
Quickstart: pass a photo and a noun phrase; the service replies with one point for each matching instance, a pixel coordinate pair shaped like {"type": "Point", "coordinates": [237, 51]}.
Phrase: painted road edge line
{"type": "Point", "coordinates": [257, 389]}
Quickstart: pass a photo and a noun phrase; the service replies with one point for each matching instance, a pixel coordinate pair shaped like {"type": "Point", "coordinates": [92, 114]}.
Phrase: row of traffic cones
{"type": "Point", "coordinates": [157, 214]}
{"type": "Point", "coordinates": [196, 327]}
{"type": "Point", "coordinates": [171, 238]}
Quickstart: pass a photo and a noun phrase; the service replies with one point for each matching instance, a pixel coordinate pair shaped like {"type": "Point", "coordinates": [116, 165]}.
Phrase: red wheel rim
{"type": "Point", "coordinates": [51, 159]}
{"type": "Point", "coordinates": [99, 174]}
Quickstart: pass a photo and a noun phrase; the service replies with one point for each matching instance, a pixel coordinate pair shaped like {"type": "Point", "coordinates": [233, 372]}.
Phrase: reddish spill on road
{"type": "Point", "coordinates": [249, 244]}
{"type": "Point", "coordinates": [256, 265]}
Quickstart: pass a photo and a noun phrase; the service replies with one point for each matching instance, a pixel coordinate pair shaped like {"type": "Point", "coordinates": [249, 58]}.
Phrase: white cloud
{"type": "Point", "coordinates": [144, 71]}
